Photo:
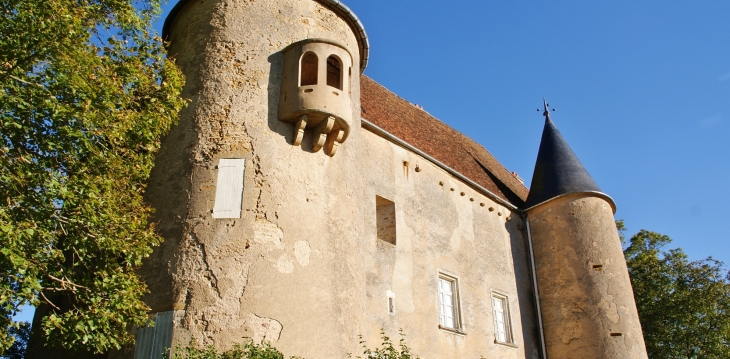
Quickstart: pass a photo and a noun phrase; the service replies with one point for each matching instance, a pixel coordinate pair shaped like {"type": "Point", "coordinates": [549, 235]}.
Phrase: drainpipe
{"type": "Point", "coordinates": [534, 286]}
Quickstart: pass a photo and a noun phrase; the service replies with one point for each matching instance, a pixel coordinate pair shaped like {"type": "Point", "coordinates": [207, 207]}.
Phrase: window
{"type": "Point", "coordinates": [385, 219]}
{"type": "Point", "coordinates": [334, 72]}
{"type": "Point", "coordinates": [449, 303]}
{"type": "Point", "coordinates": [391, 302]}
{"type": "Point", "coordinates": [229, 188]}
{"type": "Point", "coordinates": [310, 67]}
{"type": "Point", "coordinates": [502, 330]}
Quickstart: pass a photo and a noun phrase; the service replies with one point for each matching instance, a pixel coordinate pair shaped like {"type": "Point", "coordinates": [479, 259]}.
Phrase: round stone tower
{"type": "Point", "coordinates": [585, 296]}
{"type": "Point", "coordinates": [257, 211]}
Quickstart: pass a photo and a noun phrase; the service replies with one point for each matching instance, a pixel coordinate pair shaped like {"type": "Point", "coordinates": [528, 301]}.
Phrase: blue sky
{"type": "Point", "coordinates": [641, 88]}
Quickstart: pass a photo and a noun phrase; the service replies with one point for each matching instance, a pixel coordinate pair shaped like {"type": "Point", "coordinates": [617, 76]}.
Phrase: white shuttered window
{"type": "Point", "coordinates": [448, 303]}
{"type": "Point", "coordinates": [229, 188]}
{"type": "Point", "coordinates": [501, 320]}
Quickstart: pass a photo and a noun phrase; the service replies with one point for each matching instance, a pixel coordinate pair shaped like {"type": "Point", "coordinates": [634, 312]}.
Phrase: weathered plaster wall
{"type": "Point", "coordinates": [442, 225]}
{"type": "Point", "coordinates": [303, 267]}
{"type": "Point", "coordinates": [289, 269]}
{"type": "Point", "coordinates": [587, 303]}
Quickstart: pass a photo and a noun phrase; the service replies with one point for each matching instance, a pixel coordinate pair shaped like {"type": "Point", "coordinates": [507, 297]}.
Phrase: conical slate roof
{"type": "Point", "coordinates": [558, 171]}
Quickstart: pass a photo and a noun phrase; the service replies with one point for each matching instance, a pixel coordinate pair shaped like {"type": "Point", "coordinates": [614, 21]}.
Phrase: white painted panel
{"type": "Point", "coordinates": [143, 344]}
{"type": "Point", "coordinates": [163, 335]}
{"type": "Point", "coordinates": [229, 188]}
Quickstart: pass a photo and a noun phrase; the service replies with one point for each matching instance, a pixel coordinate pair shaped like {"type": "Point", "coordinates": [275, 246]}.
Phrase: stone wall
{"type": "Point", "coordinates": [303, 267]}
{"type": "Point", "coordinates": [443, 226]}
{"type": "Point", "coordinates": [287, 269]}
{"type": "Point", "coordinates": [587, 303]}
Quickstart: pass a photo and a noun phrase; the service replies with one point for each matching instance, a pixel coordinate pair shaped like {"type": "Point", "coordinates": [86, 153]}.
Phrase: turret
{"type": "Point", "coordinates": [585, 296]}
{"type": "Point", "coordinates": [315, 92]}
{"type": "Point", "coordinates": [256, 229]}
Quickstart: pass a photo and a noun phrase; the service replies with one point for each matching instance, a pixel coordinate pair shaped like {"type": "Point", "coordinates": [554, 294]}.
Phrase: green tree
{"type": "Point", "coordinates": [21, 333]}
{"type": "Point", "coordinates": [86, 95]}
{"type": "Point", "coordinates": [684, 306]}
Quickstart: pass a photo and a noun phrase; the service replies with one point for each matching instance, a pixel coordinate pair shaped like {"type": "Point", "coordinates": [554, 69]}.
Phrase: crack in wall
{"type": "Point", "coordinates": [212, 278]}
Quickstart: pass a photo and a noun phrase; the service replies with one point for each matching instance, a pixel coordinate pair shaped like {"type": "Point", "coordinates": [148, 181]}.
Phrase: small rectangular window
{"type": "Point", "coordinates": [502, 327]}
{"type": "Point", "coordinates": [334, 72]}
{"type": "Point", "coordinates": [385, 219]}
{"type": "Point", "coordinates": [449, 302]}
{"type": "Point", "coordinates": [309, 69]}
{"type": "Point", "coordinates": [390, 296]}
{"type": "Point", "coordinates": [229, 189]}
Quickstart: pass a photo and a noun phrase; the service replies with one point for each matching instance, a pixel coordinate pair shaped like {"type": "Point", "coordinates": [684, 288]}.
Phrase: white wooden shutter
{"type": "Point", "coordinates": [154, 342]}
{"type": "Point", "coordinates": [163, 335]}
{"type": "Point", "coordinates": [143, 345]}
{"type": "Point", "coordinates": [229, 189]}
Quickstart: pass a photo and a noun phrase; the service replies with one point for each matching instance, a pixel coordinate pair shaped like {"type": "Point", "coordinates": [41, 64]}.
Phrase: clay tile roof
{"type": "Point", "coordinates": [447, 145]}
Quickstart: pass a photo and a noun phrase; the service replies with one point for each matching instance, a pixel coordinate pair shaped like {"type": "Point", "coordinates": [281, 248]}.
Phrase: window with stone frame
{"type": "Point", "coordinates": [502, 325]}
{"type": "Point", "coordinates": [449, 311]}
{"type": "Point", "coordinates": [309, 69]}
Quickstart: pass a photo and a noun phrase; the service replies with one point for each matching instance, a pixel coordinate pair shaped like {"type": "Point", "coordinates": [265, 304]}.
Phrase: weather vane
{"type": "Point", "coordinates": [547, 110]}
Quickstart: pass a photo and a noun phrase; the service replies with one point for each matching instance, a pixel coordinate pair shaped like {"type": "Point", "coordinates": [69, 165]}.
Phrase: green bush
{"type": "Point", "coordinates": [387, 350]}
{"type": "Point", "coordinates": [248, 350]}
{"type": "Point", "coordinates": [264, 350]}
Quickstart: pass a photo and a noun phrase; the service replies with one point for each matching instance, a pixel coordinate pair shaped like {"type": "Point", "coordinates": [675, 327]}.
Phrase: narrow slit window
{"type": "Point", "coordinates": [390, 296]}
{"type": "Point", "coordinates": [385, 219]}
{"type": "Point", "coordinates": [309, 70]}
{"type": "Point", "coordinates": [229, 188]}
{"type": "Point", "coordinates": [334, 72]}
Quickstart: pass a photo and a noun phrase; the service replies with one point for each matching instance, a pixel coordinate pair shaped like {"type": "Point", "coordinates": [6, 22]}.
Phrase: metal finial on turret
{"type": "Point", "coordinates": [547, 110]}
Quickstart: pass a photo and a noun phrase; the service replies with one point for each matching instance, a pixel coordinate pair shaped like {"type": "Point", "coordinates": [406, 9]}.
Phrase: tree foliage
{"type": "Point", "coordinates": [21, 334]}
{"type": "Point", "coordinates": [684, 306]}
{"type": "Point", "coordinates": [86, 95]}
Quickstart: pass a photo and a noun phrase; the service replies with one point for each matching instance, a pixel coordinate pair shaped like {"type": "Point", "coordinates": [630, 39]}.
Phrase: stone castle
{"type": "Point", "coordinates": [305, 204]}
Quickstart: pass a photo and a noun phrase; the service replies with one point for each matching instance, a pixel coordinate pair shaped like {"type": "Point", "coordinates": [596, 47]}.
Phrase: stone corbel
{"type": "Point", "coordinates": [320, 133]}
{"type": "Point", "coordinates": [299, 129]}
{"type": "Point", "coordinates": [333, 141]}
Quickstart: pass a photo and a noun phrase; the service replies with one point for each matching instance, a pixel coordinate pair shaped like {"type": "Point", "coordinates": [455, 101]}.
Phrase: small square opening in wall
{"type": "Point", "coordinates": [385, 219]}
